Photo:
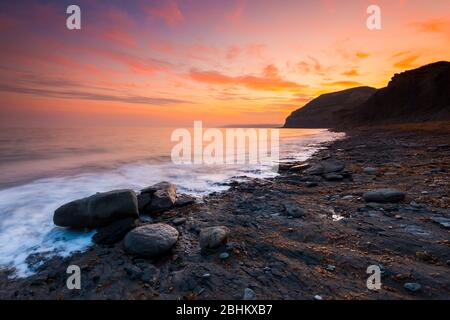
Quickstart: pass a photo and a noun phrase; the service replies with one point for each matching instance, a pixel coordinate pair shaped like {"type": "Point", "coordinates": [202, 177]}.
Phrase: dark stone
{"type": "Point", "coordinates": [412, 286]}
{"type": "Point", "coordinates": [324, 167]}
{"type": "Point", "coordinates": [158, 197]}
{"type": "Point", "coordinates": [384, 195]}
{"type": "Point", "coordinates": [97, 210]}
{"type": "Point", "coordinates": [114, 232]}
{"type": "Point", "coordinates": [249, 294]}
{"type": "Point", "coordinates": [184, 200]}
{"type": "Point", "coordinates": [311, 184]}
{"type": "Point", "coordinates": [133, 272]}
{"type": "Point", "coordinates": [224, 255]}
{"type": "Point", "coordinates": [179, 221]}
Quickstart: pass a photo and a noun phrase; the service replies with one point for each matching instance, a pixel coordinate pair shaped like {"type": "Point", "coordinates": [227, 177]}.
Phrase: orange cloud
{"type": "Point", "coordinates": [436, 25]}
{"type": "Point", "coordinates": [351, 73]}
{"type": "Point", "coordinates": [312, 66]}
{"type": "Point", "coordinates": [400, 53]}
{"type": "Point", "coordinates": [362, 55]}
{"type": "Point", "coordinates": [168, 11]}
{"type": "Point", "coordinates": [406, 63]}
{"type": "Point", "coordinates": [269, 81]}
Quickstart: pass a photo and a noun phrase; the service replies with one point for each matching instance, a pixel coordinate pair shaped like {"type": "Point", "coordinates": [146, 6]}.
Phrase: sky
{"type": "Point", "coordinates": [224, 62]}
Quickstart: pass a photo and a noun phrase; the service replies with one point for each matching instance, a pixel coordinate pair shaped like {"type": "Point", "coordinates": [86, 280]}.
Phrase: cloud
{"type": "Point", "coordinates": [312, 65]}
{"type": "Point", "coordinates": [406, 63]}
{"type": "Point", "coordinates": [400, 53]}
{"type": "Point", "coordinates": [168, 11]}
{"type": "Point", "coordinates": [270, 80]}
{"type": "Point", "coordinates": [68, 89]}
{"type": "Point", "coordinates": [362, 55]}
{"type": "Point", "coordinates": [434, 25]}
{"type": "Point", "coordinates": [351, 73]}
{"type": "Point", "coordinates": [134, 63]}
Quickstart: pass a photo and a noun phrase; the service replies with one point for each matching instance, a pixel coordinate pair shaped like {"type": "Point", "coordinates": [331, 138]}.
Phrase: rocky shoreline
{"type": "Point", "coordinates": [378, 197]}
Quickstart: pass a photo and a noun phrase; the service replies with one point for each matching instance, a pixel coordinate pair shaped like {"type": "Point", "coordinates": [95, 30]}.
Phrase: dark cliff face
{"type": "Point", "coordinates": [418, 95]}
{"type": "Point", "coordinates": [328, 110]}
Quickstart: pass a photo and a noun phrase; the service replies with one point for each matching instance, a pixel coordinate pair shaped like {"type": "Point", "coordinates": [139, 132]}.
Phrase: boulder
{"type": "Point", "coordinates": [97, 210]}
{"type": "Point", "coordinates": [213, 237]}
{"type": "Point", "coordinates": [114, 232]}
{"type": "Point", "coordinates": [384, 195]}
{"type": "Point", "coordinates": [184, 200]}
{"type": "Point", "coordinates": [324, 167]}
{"type": "Point", "coordinates": [158, 197]}
{"type": "Point", "coordinates": [151, 240]}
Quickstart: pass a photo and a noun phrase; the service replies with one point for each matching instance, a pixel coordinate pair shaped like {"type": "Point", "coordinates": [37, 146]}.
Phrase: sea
{"type": "Point", "coordinates": [43, 168]}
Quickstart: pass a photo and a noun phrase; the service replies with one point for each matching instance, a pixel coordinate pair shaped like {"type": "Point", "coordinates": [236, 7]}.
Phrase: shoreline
{"type": "Point", "coordinates": [280, 254]}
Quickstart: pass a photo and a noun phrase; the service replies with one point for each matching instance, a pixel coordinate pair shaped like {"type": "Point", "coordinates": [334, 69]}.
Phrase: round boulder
{"type": "Point", "coordinates": [213, 237]}
{"type": "Point", "coordinates": [151, 240]}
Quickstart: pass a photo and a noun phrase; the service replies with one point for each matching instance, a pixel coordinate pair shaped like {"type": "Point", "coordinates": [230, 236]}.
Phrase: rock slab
{"type": "Point", "coordinates": [384, 196]}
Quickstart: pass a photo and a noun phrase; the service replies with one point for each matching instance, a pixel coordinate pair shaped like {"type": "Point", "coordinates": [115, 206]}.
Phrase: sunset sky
{"type": "Point", "coordinates": [168, 63]}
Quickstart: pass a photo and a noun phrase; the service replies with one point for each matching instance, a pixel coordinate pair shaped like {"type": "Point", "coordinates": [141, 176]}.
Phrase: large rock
{"type": "Point", "coordinates": [114, 232]}
{"type": "Point", "coordinates": [324, 167]}
{"type": "Point", "coordinates": [184, 200]}
{"type": "Point", "coordinates": [384, 195]}
{"type": "Point", "coordinates": [417, 95]}
{"type": "Point", "coordinates": [213, 237]}
{"type": "Point", "coordinates": [328, 110]}
{"type": "Point", "coordinates": [151, 240]}
{"type": "Point", "coordinates": [157, 198]}
{"type": "Point", "coordinates": [97, 210]}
